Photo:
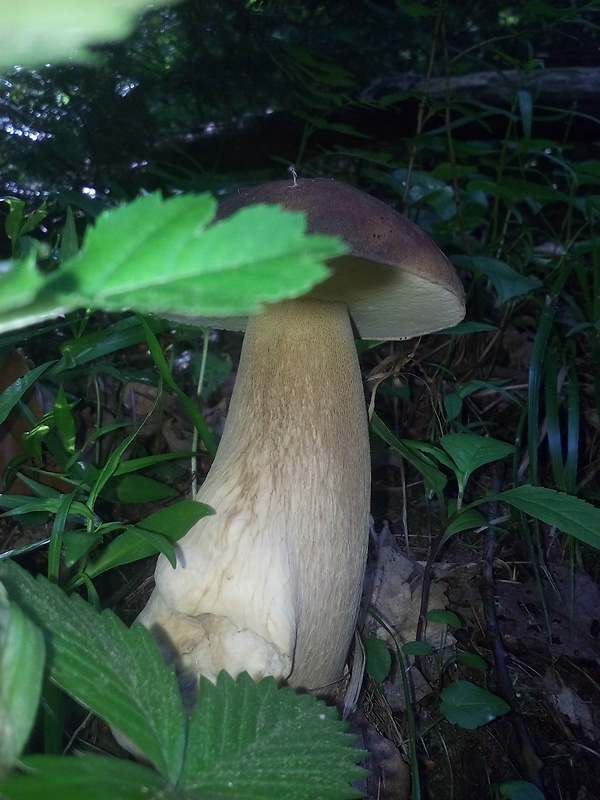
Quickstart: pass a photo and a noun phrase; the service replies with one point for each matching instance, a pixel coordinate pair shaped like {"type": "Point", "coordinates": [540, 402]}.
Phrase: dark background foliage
{"type": "Point", "coordinates": [203, 89]}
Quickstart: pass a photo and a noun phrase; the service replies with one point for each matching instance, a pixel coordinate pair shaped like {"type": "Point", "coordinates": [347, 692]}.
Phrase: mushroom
{"type": "Point", "coordinates": [271, 583]}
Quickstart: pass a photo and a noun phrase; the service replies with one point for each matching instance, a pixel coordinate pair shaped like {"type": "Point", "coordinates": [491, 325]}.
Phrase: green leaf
{"type": "Point", "coordinates": [464, 521]}
{"type": "Point", "coordinates": [251, 741]}
{"type": "Point", "coordinates": [86, 776]}
{"type": "Point", "coordinates": [417, 649]}
{"type": "Point", "coordinates": [506, 281]}
{"type": "Point", "coordinates": [34, 32]}
{"type": "Point", "coordinates": [137, 489]}
{"type": "Point", "coordinates": [473, 660]}
{"type": "Point", "coordinates": [567, 513]}
{"type": "Point", "coordinates": [158, 256]}
{"type": "Point", "coordinates": [471, 706]}
{"type": "Point", "coordinates": [172, 522]}
{"type": "Point", "coordinates": [124, 333]}
{"type": "Point", "coordinates": [13, 393]}
{"type": "Point", "coordinates": [22, 656]}
{"type": "Point", "coordinates": [444, 617]}
{"type": "Point", "coordinates": [520, 790]}
{"type": "Point", "coordinates": [22, 298]}
{"type": "Point", "coordinates": [378, 659]}
{"type": "Point", "coordinates": [431, 474]}
{"type": "Point", "coordinates": [64, 420]}
{"type": "Point", "coordinates": [470, 451]}
{"type": "Point", "coordinates": [77, 543]}
{"type": "Point", "coordinates": [116, 672]}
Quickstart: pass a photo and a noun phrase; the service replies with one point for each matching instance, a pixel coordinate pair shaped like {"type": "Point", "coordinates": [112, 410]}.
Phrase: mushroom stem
{"type": "Point", "coordinates": [272, 582]}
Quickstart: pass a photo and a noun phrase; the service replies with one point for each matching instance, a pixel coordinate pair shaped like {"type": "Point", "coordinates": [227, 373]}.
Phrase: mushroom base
{"type": "Point", "coordinates": [271, 583]}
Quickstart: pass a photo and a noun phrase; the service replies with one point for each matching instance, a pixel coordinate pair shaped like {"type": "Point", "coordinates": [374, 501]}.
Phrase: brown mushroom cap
{"type": "Point", "coordinates": [395, 281]}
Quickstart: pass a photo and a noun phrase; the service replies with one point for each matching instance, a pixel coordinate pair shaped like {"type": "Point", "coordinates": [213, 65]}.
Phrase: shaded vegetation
{"type": "Point", "coordinates": [210, 96]}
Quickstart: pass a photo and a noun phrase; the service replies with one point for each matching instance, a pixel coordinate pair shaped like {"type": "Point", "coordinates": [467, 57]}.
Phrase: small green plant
{"type": "Point", "coordinates": [242, 740]}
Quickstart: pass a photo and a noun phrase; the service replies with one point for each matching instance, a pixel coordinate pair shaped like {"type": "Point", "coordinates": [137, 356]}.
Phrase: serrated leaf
{"type": "Point", "coordinates": [470, 451]}
{"type": "Point", "coordinates": [87, 776]}
{"type": "Point", "coordinates": [158, 256]}
{"type": "Point", "coordinates": [471, 706]}
{"type": "Point", "coordinates": [378, 659]}
{"type": "Point", "coordinates": [565, 512]}
{"type": "Point", "coordinates": [171, 523]}
{"type": "Point", "coordinates": [116, 672]}
{"type": "Point", "coordinates": [22, 656]}
{"type": "Point", "coordinates": [251, 741]}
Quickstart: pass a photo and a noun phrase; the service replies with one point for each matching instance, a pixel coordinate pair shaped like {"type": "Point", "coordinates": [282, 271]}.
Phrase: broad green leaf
{"type": "Point", "coordinates": [158, 256]}
{"type": "Point", "coordinates": [464, 521]}
{"type": "Point", "coordinates": [417, 649]}
{"type": "Point", "coordinates": [473, 660]}
{"type": "Point", "coordinates": [470, 451]}
{"type": "Point", "coordinates": [378, 659]}
{"type": "Point", "coordinates": [131, 488]}
{"type": "Point", "coordinates": [36, 32]}
{"type": "Point", "coordinates": [565, 512]}
{"type": "Point", "coordinates": [86, 777]}
{"type": "Point", "coordinates": [520, 790]}
{"type": "Point", "coordinates": [22, 656]}
{"type": "Point", "coordinates": [172, 523]}
{"type": "Point", "coordinates": [471, 706]}
{"type": "Point", "coordinates": [251, 741]}
{"type": "Point", "coordinates": [77, 543]}
{"type": "Point", "coordinates": [116, 672]}
{"type": "Point", "coordinates": [444, 617]}
{"type": "Point", "coordinates": [506, 281]}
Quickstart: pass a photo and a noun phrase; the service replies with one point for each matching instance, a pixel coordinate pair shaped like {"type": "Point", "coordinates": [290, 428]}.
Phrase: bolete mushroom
{"type": "Point", "coordinates": [271, 583]}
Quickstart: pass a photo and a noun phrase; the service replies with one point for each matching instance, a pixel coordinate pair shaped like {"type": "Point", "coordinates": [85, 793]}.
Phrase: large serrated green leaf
{"type": "Point", "coordinates": [116, 672]}
{"type": "Point", "coordinates": [86, 777]}
{"type": "Point", "coordinates": [22, 655]}
{"type": "Point", "coordinates": [252, 741]}
{"type": "Point", "coordinates": [158, 256]}
{"type": "Point", "coordinates": [565, 512]}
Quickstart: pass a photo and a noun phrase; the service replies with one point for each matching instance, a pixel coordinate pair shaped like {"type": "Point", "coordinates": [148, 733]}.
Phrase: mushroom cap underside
{"type": "Point", "coordinates": [396, 282]}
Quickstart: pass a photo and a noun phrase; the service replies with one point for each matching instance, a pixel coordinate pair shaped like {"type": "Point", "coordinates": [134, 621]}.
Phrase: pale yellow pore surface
{"type": "Point", "coordinates": [272, 582]}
